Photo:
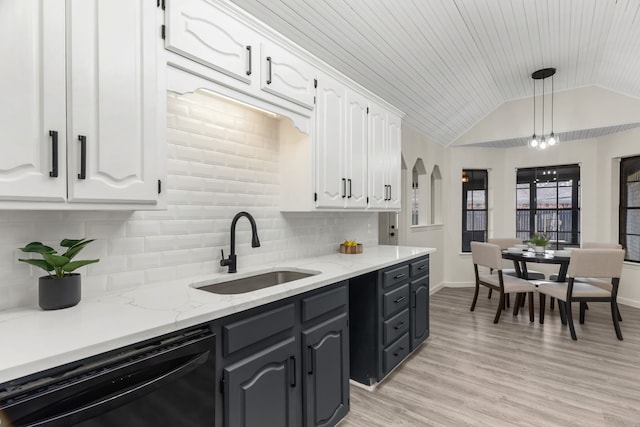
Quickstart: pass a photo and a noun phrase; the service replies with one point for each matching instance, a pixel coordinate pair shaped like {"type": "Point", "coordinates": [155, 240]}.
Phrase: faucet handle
{"type": "Point", "coordinates": [222, 253]}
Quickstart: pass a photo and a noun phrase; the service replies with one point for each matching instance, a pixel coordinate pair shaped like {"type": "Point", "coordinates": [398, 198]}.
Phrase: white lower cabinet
{"type": "Point", "coordinates": [80, 116]}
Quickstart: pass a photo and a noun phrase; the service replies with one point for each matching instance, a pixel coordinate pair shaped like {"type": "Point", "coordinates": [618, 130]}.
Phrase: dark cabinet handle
{"type": "Point", "coordinates": [422, 267]}
{"type": "Point", "coordinates": [389, 193]}
{"type": "Point", "coordinates": [398, 352]}
{"type": "Point", "coordinates": [349, 181]}
{"type": "Point", "coordinates": [344, 188]}
{"type": "Point", "coordinates": [399, 325]}
{"type": "Point", "coordinates": [399, 300]}
{"type": "Point", "coordinates": [268, 70]}
{"type": "Point", "coordinates": [249, 55]}
{"type": "Point", "coordinates": [292, 361]}
{"type": "Point", "coordinates": [54, 153]}
{"type": "Point", "coordinates": [83, 157]}
{"type": "Point", "coordinates": [399, 276]}
{"type": "Point", "coordinates": [310, 360]}
{"type": "Point", "coordinates": [413, 299]}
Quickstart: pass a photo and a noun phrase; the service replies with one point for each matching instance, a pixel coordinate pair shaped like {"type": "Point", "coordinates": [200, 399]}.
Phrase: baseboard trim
{"type": "Point", "coordinates": [436, 288]}
{"type": "Point", "coordinates": [459, 284]}
{"type": "Point", "coordinates": [629, 302]}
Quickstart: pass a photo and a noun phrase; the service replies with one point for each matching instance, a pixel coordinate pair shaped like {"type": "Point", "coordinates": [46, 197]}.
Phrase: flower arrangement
{"type": "Point", "coordinates": [539, 240]}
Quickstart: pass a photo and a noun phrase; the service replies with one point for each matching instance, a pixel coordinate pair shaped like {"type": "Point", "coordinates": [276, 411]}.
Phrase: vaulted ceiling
{"type": "Point", "coordinates": [449, 63]}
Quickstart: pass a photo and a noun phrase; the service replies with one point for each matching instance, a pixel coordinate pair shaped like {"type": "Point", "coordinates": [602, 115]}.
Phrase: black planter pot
{"type": "Point", "coordinates": [54, 293]}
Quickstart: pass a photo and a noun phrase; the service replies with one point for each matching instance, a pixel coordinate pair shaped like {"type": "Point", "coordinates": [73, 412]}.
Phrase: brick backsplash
{"type": "Point", "coordinates": [222, 158]}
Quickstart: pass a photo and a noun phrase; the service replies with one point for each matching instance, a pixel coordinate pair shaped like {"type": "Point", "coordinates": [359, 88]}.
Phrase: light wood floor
{"type": "Point", "coordinates": [471, 372]}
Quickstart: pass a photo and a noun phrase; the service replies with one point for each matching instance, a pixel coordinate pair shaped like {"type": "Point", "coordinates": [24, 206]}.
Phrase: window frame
{"type": "Point", "coordinates": [544, 172]}
{"type": "Point", "coordinates": [465, 242]}
{"type": "Point", "coordinates": [626, 163]}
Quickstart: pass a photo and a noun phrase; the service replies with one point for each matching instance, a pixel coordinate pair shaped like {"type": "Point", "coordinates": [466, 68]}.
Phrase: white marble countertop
{"type": "Point", "coordinates": [32, 340]}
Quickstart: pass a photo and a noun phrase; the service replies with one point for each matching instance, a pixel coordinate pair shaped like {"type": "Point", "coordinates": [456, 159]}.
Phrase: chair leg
{"type": "Point", "coordinates": [531, 307]}
{"type": "Point", "coordinates": [490, 292]}
{"type": "Point", "coordinates": [567, 308]}
{"type": "Point", "coordinates": [522, 301]}
{"type": "Point", "coordinates": [614, 316]}
{"type": "Point", "coordinates": [563, 312]}
{"type": "Point", "coordinates": [618, 310]}
{"type": "Point", "coordinates": [583, 308]}
{"type": "Point", "coordinates": [542, 298]}
{"type": "Point", "coordinates": [507, 301]}
{"type": "Point", "coordinates": [552, 301]}
{"type": "Point", "coordinates": [500, 305]}
{"type": "Point", "coordinates": [475, 297]}
{"type": "Point", "coordinates": [516, 306]}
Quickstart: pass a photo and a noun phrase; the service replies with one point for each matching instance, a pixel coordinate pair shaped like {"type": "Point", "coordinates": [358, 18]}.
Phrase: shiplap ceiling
{"type": "Point", "coordinates": [449, 63]}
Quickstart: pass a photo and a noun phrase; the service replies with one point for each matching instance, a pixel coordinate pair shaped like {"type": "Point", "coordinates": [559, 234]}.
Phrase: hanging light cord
{"type": "Point", "coordinates": [542, 109]}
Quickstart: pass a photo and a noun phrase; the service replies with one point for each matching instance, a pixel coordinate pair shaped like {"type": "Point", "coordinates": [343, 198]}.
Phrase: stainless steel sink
{"type": "Point", "coordinates": [253, 283]}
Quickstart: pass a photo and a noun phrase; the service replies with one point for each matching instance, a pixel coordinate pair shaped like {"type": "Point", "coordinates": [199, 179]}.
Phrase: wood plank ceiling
{"type": "Point", "coordinates": [449, 63]}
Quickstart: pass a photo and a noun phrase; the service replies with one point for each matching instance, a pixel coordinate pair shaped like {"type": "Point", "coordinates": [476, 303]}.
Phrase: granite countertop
{"type": "Point", "coordinates": [34, 340]}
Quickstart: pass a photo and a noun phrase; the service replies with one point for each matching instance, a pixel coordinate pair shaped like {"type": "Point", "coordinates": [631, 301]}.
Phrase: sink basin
{"type": "Point", "coordinates": [253, 283]}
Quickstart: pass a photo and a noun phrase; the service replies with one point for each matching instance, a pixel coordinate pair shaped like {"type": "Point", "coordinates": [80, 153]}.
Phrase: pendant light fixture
{"type": "Point", "coordinates": [542, 141]}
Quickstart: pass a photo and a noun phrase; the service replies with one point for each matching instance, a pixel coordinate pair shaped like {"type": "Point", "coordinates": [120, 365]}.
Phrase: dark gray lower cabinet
{"type": "Point", "coordinates": [419, 311]}
{"type": "Point", "coordinates": [286, 364]}
{"type": "Point", "coordinates": [260, 390]}
{"type": "Point", "coordinates": [389, 318]}
{"type": "Point", "coordinates": [326, 365]}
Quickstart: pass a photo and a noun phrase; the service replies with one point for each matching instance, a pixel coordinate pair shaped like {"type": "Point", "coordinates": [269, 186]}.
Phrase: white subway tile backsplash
{"type": "Point", "coordinates": [222, 158]}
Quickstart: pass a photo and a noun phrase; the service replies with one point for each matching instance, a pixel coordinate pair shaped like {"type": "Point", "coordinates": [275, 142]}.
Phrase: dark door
{"type": "Point", "coordinates": [260, 390]}
{"type": "Point", "coordinates": [326, 372]}
{"type": "Point", "coordinates": [419, 311]}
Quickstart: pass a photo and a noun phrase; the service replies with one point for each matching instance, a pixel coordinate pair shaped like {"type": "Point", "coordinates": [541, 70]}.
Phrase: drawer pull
{"type": "Point", "coordinates": [399, 276]}
{"type": "Point", "coordinates": [399, 325]}
{"type": "Point", "coordinates": [402, 298]}
{"type": "Point", "coordinates": [422, 267]}
{"type": "Point", "coordinates": [396, 354]}
{"type": "Point", "coordinates": [268, 70]}
{"type": "Point", "coordinates": [249, 58]}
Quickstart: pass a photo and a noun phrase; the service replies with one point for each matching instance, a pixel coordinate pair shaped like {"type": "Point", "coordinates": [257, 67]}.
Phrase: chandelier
{"type": "Point", "coordinates": [542, 141]}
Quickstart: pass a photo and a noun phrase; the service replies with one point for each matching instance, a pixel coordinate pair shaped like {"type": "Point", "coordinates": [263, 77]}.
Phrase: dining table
{"type": "Point", "coordinates": [522, 257]}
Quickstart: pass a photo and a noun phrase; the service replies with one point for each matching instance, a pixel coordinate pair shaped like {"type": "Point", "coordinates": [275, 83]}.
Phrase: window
{"type": "Point", "coordinates": [436, 195]}
{"type": "Point", "coordinates": [630, 207]}
{"type": "Point", "coordinates": [548, 202]}
{"type": "Point", "coordinates": [474, 207]}
{"type": "Point", "coordinates": [418, 189]}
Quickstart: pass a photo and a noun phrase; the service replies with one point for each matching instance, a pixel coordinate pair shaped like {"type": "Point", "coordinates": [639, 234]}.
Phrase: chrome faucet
{"type": "Point", "coordinates": [255, 242]}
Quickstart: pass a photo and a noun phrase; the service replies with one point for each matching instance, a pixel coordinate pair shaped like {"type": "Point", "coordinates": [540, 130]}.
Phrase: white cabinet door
{"type": "Point", "coordinates": [356, 144]}
{"type": "Point", "coordinates": [286, 75]}
{"type": "Point", "coordinates": [393, 162]}
{"type": "Point", "coordinates": [200, 31]}
{"type": "Point", "coordinates": [377, 157]}
{"type": "Point", "coordinates": [331, 182]}
{"type": "Point", "coordinates": [32, 112]}
{"type": "Point", "coordinates": [112, 78]}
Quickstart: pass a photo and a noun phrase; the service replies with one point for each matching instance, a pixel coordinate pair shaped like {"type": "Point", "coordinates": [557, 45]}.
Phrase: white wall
{"type": "Point", "coordinates": [415, 146]}
{"type": "Point", "coordinates": [222, 159]}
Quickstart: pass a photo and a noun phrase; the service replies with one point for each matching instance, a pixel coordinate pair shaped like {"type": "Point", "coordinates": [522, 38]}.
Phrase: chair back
{"type": "Point", "coordinates": [505, 242]}
{"type": "Point", "coordinates": [601, 245]}
{"type": "Point", "coordinates": [487, 255]}
{"type": "Point", "coordinates": [599, 263]}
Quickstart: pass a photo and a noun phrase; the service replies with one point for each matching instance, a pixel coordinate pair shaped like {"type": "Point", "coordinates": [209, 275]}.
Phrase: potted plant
{"type": "Point", "coordinates": [539, 242]}
{"type": "Point", "coordinates": [61, 288]}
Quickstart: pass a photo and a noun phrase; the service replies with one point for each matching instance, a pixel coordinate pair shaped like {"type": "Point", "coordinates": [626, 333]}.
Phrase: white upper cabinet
{"type": "Point", "coordinates": [286, 75]}
{"type": "Point", "coordinates": [199, 30]}
{"type": "Point", "coordinates": [384, 159]}
{"type": "Point", "coordinates": [113, 99]}
{"type": "Point", "coordinates": [32, 110]}
{"type": "Point", "coordinates": [80, 117]}
{"type": "Point", "coordinates": [341, 146]}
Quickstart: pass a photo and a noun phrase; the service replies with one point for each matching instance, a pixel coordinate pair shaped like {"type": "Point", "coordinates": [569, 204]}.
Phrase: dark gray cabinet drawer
{"type": "Point", "coordinates": [395, 326]}
{"type": "Point", "coordinates": [395, 353]}
{"type": "Point", "coordinates": [245, 332]}
{"type": "Point", "coordinates": [395, 300]}
{"type": "Point", "coordinates": [395, 276]}
{"type": "Point", "coordinates": [322, 303]}
{"type": "Point", "coordinates": [419, 267]}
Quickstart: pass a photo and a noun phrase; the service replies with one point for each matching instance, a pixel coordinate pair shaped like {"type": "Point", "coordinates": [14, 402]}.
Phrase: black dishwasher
{"type": "Point", "coordinates": [166, 381]}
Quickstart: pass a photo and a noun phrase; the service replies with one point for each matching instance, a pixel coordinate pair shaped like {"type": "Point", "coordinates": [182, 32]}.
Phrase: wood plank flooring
{"type": "Point", "coordinates": [471, 372]}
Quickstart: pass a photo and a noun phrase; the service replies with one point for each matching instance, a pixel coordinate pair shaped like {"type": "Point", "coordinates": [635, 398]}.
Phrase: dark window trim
{"type": "Point", "coordinates": [468, 236]}
{"type": "Point", "coordinates": [626, 163]}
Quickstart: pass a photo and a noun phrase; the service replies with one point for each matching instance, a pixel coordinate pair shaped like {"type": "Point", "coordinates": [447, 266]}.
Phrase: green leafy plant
{"type": "Point", "coordinates": [56, 265]}
{"type": "Point", "coordinates": [539, 240]}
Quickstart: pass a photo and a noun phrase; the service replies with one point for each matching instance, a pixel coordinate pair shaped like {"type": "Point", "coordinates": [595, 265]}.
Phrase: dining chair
{"type": "Point", "coordinates": [592, 263]}
{"type": "Point", "coordinates": [508, 242]}
{"type": "Point", "coordinates": [489, 255]}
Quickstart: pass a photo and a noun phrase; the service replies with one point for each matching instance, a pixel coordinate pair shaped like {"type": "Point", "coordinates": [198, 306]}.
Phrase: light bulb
{"type": "Point", "coordinates": [543, 144]}
{"type": "Point", "coordinates": [534, 141]}
{"type": "Point", "coordinates": [552, 139]}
